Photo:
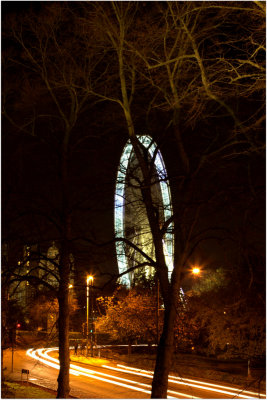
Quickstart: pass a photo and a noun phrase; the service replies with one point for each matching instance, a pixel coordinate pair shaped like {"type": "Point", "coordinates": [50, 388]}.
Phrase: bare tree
{"type": "Point", "coordinates": [194, 68]}
{"type": "Point", "coordinates": [190, 70]}
{"type": "Point", "coordinates": [53, 77]}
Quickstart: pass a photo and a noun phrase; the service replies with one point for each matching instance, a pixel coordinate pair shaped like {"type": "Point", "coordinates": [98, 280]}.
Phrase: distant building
{"type": "Point", "coordinates": [22, 291]}
{"type": "Point", "coordinates": [49, 265]}
{"type": "Point", "coordinates": [43, 265]}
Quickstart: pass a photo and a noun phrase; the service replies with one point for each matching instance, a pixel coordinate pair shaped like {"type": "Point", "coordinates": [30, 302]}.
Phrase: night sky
{"type": "Point", "coordinates": [230, 186]}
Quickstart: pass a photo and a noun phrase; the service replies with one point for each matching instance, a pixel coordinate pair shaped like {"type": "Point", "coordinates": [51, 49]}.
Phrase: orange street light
{"type": "Point", "coordinates": [90, 278]}
{"type": "Point", "coordinates": [70, 293]}
{"type": "Point", "coordinates": [196, 271]}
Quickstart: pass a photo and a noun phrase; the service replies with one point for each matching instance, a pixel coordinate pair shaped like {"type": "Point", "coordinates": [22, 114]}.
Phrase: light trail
{"type": "Point", "coordinates": [230, 391]}
{"type": "Point", "coordinates": [80, 371]}
{"type": "Point", "coordinates": [176, 379]}
{"type": "Point", "coordinates": [128, 383]}
{"type": "Point", "coordinates": [88, 372]}
{"type": "Point", "coordinates": [55, 364]}
{"type": "Point", "coordinates": [77, 370]}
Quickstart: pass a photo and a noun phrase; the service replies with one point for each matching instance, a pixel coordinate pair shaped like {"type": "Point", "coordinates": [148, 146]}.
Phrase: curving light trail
{"type": "Point", "coordinates": [76, 370]}
{"type": "Point", "coordinates": [42, 356]}
{"type": "Point", "coordinates": [196, 383]}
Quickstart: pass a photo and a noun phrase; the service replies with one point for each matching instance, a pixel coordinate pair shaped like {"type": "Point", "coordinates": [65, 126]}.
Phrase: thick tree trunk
{"type": "Point", "coordinates": [63, 329]}
{"type": "Point", "coordinates": [4, 305]}
{"type": "Point", "coordinates": [164, 355]}
{"type": "Point", "coordinates": [64, 275]}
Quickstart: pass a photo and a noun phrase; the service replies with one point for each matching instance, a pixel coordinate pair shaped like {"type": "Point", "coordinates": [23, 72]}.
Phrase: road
{"type": "Point", "coordinates": [112, 380]}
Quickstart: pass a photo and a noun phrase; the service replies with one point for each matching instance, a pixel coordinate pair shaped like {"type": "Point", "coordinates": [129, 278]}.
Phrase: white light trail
{"type": "Point", "coordinates": [82, 371]}
{"type": "Point", "coordinates": [42, 356]}
{"type": "Point", "coordinates": [77, 370]}
{"type": "Point", "coordinates": [54, 364]}
{"type": "Point", "coordinates": [179, 380]}
{"type": "Point", "coordinates": [87, 372]}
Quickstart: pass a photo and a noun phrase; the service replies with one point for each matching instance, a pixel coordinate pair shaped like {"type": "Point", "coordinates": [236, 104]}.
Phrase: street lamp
{"type": "Point", "coordinates": [196, 271]}
{"type": "Point", "coordinates": [88, 280]}
{"type": "Point", "coordinates": [69, 295]}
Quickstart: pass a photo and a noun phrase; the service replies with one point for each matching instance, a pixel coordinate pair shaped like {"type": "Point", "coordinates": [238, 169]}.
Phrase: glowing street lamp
{"type": "Point", "coordinates": [88, 280]}
{"type": "Point", "coordinates": [69, 293]}
{"type": "Point", "coordinates": [196, 271]}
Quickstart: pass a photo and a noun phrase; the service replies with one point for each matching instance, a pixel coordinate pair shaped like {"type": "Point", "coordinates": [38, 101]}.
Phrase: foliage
{"type": "Point", "coordinates": [130, 318]}
{"type": "Point", "coordinates": [210, 281]}
{"type": "Point", "coordinates": [44, 306]}
{"type": "Point", "coordinates": [231, 322]}
{"type": "Point", "coordinates": [186, 329]}
{"type": "Point", "coordinates": [41, 309]}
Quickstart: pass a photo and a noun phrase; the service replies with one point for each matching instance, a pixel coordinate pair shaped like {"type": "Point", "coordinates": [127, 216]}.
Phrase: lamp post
{"type": "Point", "coordinates": [88, 280]}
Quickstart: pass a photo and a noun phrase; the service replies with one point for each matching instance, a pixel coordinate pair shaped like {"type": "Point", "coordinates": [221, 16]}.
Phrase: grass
{"type": "Point", "coordinates": [89, 360]}
{"type": "Point", "coordinates": [16, 390]}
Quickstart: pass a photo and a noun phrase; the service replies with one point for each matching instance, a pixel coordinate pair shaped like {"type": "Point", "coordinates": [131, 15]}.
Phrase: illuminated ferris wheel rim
{"type": "Point", "coordinates": [155, 153]}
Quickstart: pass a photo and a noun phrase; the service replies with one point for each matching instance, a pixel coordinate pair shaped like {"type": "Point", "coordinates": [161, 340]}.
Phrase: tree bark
{"type": "Point", "coordinates": [63, 327]}
{"type": "Point", "coordinates": [164, 354]}
{"type": "Point", "coordinates": [64, 275]}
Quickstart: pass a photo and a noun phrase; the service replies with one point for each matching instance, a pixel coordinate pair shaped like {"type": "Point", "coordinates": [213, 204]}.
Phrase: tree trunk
{"type": "Point", "coordinates": [63, 329]}
{"type": "Point", "coordinates": [4, 307]}
{"type": "Point", "coordinates": [64, 275]}
{"type": "Point", "coordinates": [63, 319]}
{"type": "Point", "coordinates": [129, 349]}
{"type": "Point", "coordinates": [164, 355]}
